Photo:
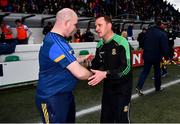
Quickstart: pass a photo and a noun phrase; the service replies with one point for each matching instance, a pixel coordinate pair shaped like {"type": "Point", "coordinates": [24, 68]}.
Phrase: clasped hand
{"type": "Point", "coordinates": [97, 77]}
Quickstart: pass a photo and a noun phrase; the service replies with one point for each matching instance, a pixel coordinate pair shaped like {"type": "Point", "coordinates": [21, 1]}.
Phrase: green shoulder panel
{"type": "Point", "coordinates": [122, 41]}
{"type": "Point", "coordinates": [100, 43]}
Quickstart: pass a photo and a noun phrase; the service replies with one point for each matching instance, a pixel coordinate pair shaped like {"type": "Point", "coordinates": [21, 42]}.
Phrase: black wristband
{"type": "Point", "coordinates": [108, 71]}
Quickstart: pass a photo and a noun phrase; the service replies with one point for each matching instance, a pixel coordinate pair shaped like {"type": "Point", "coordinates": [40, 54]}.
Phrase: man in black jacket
{"type": "Point", "coordinates": [88, 36]}
{"type": "Point", "coordinates": [140, 38]}
{"type": "Point", "coordinates": [47, 28]}
{"type": "Point", "coordinates": [112, 64]}
{"type": "Point", "coordinates": [155, 47]}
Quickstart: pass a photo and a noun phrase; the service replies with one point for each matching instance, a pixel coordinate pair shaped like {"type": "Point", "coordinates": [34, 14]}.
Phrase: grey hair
{"type": "Point", "coordinates": [65, 14]}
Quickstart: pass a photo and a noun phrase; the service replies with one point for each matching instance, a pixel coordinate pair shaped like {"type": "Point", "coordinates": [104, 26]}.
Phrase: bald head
{"type": "Point", "coordinates": [66, 14]}
{"type": "Point", "coordinates": [66, 21]}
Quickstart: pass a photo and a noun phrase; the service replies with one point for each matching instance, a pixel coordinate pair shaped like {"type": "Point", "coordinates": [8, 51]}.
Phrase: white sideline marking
{"type": "Point", "coordinates": [134, 96]}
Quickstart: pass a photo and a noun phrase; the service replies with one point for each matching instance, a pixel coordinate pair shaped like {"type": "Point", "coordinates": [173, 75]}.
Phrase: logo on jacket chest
{"type": "Point", "coordinates": [114, 52]}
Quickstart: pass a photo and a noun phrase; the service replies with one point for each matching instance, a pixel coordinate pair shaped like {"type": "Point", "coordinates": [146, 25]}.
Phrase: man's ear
{"type": "Point", "coordinates": [110, 25]}
{"type": "Point", "coordinates": [67, 23]}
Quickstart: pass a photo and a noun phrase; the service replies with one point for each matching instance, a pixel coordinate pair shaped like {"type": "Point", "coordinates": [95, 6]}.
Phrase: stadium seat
{"type": "Point", "coordinates": [12, 58]}
{"type": "Point", "coordinates": [84, 52]}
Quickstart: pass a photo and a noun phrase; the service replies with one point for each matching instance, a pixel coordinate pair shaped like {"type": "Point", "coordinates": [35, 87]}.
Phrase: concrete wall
{"type": "Point", "coordinates": [28, 67]}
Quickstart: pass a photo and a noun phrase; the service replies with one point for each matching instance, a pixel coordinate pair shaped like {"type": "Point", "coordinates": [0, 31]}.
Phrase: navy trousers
{"type": "Point", "coordinates": [59, 108]}
{"type": "Point", "coordinates": [145, 72]}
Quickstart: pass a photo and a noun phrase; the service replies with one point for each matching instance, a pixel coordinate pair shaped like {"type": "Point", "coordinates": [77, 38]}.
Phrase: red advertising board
{"type": "Point", "coordinates": [138, 61]}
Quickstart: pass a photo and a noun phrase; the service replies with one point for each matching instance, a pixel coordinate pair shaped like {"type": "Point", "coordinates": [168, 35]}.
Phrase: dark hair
{"type": "Point", "coordinates": [106, 18]}
{"type": "Point", "coordinates": [17, 20]}
{"type": "Point", "coordinates": [158, 21]}
{"type": "Point", "coordinates": [144, 28]}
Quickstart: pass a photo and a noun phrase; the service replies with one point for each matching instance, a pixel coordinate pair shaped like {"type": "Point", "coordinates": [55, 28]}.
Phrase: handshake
{"type": "Point", "coordinates": [97, 75]}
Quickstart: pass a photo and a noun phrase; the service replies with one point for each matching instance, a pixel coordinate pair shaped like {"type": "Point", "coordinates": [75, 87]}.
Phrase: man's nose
{"type": "Point", "coordinates": [97, 29]}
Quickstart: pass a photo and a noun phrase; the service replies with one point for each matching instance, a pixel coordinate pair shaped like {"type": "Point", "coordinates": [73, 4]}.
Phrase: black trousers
{"type": "Point", "coordinates": [114, 109]}
{"type": "Point", "coordinates": [22, 41]}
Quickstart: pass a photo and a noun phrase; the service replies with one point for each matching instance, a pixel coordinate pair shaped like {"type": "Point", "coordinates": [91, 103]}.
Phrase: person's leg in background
{"type": "Point", "coordinates": [157, 75]}
{"type": "Point", "coordinates": [144, 74]}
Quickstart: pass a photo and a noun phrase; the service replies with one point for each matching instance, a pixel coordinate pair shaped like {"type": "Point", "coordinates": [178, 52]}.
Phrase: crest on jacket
{"type": "Point", "coordinates": [113, 51]}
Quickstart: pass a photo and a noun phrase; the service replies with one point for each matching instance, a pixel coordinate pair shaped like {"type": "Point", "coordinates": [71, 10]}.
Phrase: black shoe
{"type": "Point", "coordinates": [160, 90]}
{"type": "Point", "coordinates": [164, 74]}
{"type": "Point", "coordinates": [140, 93]}
{"type": "Point", "coordinates": [153, 78]}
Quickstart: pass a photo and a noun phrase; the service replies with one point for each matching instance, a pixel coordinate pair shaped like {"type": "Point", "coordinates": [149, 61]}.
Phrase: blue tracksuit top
{"type": "Point", "coordinates": [54, 56]}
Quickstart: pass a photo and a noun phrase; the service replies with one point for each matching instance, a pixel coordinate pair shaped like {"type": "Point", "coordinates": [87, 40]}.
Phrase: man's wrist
{"type": "Point", "coordinates": [108, 72]}
{"type": "Point", "coordinates": [83, 60]}
{"type": "Point", "coordinates": [105, 74]}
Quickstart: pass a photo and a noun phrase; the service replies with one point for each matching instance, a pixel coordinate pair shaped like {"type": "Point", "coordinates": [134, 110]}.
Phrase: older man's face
{"type": "Point", "coordinates": [71, 26]}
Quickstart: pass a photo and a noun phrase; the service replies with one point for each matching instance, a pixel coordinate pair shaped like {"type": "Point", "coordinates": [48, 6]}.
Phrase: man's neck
{"type": "Point", "coordinates": [108, 36]}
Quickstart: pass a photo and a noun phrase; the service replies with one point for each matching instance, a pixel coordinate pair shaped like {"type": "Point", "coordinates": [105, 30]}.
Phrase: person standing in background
{"type": "Point", "coordinates": [140, 38]}
{"type": "Point", "coordinates": [59, 71]}
{"type": "Point", "coordinates": [77, 36]}
{"type": "Point", "coordinates": [124, 34]}
{"type": "Point", "coordinates": [23, 32]}
{"type": "Point", "coordinates": [130, 31]}
{"type": "Point", "coordinates": [6, 31]}
{"type": "Point", "coordinates": [171, 37]}
{"type": "Point", "coordinates": [155, 48]}
{"type": "Point", "coordinates": [47, 28]}
{"type": "Point", "coordinates": [7, 42]}
{"type": "Point", "coordinates": [87, 36]}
